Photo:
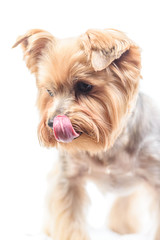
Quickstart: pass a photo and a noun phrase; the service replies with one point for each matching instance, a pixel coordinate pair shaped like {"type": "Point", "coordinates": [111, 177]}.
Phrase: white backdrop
{"type": "Point", "coordinates": [23, 163]}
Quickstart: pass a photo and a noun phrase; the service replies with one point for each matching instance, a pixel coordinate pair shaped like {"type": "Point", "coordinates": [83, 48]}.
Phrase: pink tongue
{"type": "Point", "coordinates": [63, 130]}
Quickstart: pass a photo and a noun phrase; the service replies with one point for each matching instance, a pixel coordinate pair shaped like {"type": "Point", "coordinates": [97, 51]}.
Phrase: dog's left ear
{"type": "Point", "coordinates": [105, 46]}
{"type": "Point", "coordinates": [33, 44]}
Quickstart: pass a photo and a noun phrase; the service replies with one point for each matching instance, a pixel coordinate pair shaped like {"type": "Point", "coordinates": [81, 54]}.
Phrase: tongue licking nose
{"type": "Point", "coordinates": [63, 129]}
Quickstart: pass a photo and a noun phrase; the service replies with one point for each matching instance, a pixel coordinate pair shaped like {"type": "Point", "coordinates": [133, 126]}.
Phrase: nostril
{"type": "Point", "coordinates": [50, 123]}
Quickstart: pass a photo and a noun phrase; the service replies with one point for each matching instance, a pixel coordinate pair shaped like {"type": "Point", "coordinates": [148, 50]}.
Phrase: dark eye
{"type": "Point", "coordinates": [50, 92]}
{"type": "Point", "coordinates": [84, 88]}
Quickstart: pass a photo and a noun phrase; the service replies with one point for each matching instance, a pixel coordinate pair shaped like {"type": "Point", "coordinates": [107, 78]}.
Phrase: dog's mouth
{"type": "Point", "coordinates": [63, 129]}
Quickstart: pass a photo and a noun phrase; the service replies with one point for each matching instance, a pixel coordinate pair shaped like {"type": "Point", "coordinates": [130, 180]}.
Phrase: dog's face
{"type": "Point", "coordinates": [87, 86]}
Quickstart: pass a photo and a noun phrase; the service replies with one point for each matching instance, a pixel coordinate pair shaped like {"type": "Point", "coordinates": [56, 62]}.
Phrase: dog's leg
{"type": "Point", "coordinates": [122, 219]}
{"type": "Point", "coordinates": [157, 237]}
{"type": "Point", "coordinates": [137, 212]}
{"type": "Point", "coordinates": [157, 234]}
{"type": "Point", "coordinates": [127, 212]}
{"type": "Point", "coordinates": [66, 200]}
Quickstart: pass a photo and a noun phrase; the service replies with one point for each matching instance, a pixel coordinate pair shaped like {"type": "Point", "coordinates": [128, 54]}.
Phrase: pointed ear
{"type": "Point", "coordinates": [33, 44]}
{"type": "Point", "coordinates": [103, 47]}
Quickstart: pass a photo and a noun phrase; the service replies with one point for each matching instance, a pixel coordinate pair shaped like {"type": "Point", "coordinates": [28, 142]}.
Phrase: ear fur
{"type": "Point", "coordinates": [105, 46]}
{"type": "Point", "coordinates": [33, 44]}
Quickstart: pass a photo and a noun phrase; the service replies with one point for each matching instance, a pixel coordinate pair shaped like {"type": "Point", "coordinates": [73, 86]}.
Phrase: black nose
{"type": "Point", "coordinates": [50, 123]}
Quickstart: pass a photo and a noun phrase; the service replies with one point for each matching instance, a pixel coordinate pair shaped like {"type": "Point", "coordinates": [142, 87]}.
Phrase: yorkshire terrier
{"type": "Point", "coordinates": [105, 129]}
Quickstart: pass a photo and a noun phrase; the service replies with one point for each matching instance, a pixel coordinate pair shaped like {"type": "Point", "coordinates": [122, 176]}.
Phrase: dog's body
{"type": "Point", "coordinates": [106, 131]}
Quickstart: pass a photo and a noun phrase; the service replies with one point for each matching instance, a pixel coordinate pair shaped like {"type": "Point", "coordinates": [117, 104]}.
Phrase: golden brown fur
{"type": "Point", "coordinates": [110, 62]}
{"type": "Point", "coordinates": [117, 85]}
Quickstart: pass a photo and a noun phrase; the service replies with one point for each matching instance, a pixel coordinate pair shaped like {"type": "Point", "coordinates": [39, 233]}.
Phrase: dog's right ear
{"type": "Point", "coordinates": [33, 44]}
{"type": "Point", "coordinates": [103, 47]}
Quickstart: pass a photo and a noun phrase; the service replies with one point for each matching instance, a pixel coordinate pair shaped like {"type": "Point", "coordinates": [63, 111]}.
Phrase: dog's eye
{"type": "Point", "coordinates": [82, 87]}
{"type": "Point", "coordinates": [50, 92]}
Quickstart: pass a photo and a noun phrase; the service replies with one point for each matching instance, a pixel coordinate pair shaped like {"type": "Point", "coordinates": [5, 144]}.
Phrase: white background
{"type": "Point", "coordinates": [23, 163]}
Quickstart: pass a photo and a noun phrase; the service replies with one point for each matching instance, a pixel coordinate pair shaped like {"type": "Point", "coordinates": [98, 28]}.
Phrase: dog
{"type": "Point", "coordinates": [105, 129]}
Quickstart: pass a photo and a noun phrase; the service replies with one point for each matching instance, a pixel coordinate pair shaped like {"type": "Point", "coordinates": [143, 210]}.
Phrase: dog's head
{"type": "Point", "coordinates": [87, 86]}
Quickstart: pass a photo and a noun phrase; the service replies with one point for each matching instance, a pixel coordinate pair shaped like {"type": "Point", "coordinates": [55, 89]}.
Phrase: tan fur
{"type": "Point", "coordinates": [126, 211]}
{"type": "Point", "coordinates": [126, 222]}
{"type": "Point", "coordinates": [64, 196]}
{"type": "Point", "coordinates": [44, 56]}
{"type": "Point", "coordinates": [110, 62]}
